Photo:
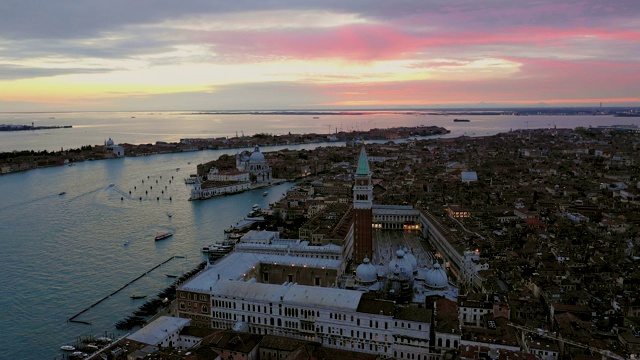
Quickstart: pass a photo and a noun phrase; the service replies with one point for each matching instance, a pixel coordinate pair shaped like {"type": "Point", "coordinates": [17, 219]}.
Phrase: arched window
{"type": "Point", "coordinates": [439, 342]}
{"type": "Point", "coordinates": [447, 343]}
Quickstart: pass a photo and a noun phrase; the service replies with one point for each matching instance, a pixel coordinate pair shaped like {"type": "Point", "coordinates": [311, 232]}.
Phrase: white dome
{"type": "Point", "coordinates": [109, 142]}
{"type": "Point", "coordinates": [256, 157]}
{"type": "Point", "coordinates": [401, 265]}
{"type": "Point", "coordinates": [412, 260]}
{"type": "Point", "coordinates": [366, 272]}
{"type": "Point", "coordinates": [437, 277]}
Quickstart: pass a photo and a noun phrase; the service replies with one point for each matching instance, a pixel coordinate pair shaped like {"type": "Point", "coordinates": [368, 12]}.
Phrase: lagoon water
{"type": "Point", "coordinates": [61, 253]}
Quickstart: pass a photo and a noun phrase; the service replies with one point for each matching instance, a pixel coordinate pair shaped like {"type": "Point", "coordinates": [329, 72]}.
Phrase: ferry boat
{"type": "Point", "coordinates": [461, 120]}
{"type": "Point", "coordinates": [222, 248]}
{"type": "Point", "coordinates": [163, 236]}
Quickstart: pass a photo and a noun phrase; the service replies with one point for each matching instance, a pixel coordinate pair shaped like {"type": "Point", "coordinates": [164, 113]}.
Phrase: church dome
{"type": "Point", "coordinates": [256, 157]}
{"type": "Point", "coordinates": [412, 260]}
{"type": "Point", "coordinates": [109, 142]}
{"type": "Point", "coordinates": [437, 277]}
{"type": "Point", "coordinates": [401, 266]}
{"type": "Point", "coordinates": [366, 272]}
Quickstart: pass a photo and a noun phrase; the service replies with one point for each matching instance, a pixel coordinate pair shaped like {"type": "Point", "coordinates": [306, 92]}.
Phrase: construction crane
{"type": "Point", "coordinates": [549, 335]}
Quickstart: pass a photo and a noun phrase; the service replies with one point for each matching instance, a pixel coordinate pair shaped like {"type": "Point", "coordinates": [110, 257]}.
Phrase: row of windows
{"type": "Point", "coordinates": [408, 325]}
{"type": "Point", "coordinates": [410, 356]}
{"type": "Point", "coordinates": [353, 344]}
{"type": "Point", "coordinates": [193, 296]}
{"type": "Point", "coordinates": [447, 343]}
{"type": "Point", "coordinates": [396, 218]}
{"type": "Point", "coordinates": [343, 317]}
{"type": "Point", "coordinates": [203, 309]}
{"type": "Point", "coordinates": [223, 304]}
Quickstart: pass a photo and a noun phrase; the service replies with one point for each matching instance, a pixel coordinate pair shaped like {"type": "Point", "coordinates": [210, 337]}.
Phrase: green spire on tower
{"type": "Point", "coordinates": [363, 163]}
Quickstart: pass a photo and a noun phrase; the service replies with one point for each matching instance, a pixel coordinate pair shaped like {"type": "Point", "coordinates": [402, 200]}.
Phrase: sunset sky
{"type": "Point", "coordinates": [263, 55]}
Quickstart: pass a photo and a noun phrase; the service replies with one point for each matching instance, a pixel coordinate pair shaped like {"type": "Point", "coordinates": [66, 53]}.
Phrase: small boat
{"type": "Point", "coordinates": [134, 296]}
{"type": "Point", "coordinates": [62, 193]}
{"type": "Point", "coordinates": [171, 275]}
{"type": "Point", "coordinates": [461, 120]}
{"type": "Point", "coordinates": [265, 193]}
{"type": "Point", "coordinates": [103, 339]}
{"type": "Point", "coordinates": [67, 348]}
{"type": "Point", "coordinates": [112, 185]}
{"type": "Point", "coordinates": [163, 236]}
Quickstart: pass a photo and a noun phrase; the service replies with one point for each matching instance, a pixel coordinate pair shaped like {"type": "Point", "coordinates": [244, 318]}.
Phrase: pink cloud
{"type": "Point", "coordinates": [354, 42]}
{"type": "Point", "coordinates": [389, 42]}
{"type": "Point", "coordinates": [550, 81]}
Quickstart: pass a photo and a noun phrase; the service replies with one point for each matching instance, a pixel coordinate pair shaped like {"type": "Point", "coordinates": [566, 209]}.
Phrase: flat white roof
{"type": "Point", "coordinates": [155, 332]}
{"type": "Point", "coordinates": [236, 264]}
{"type": "Point", "coordinates": [293, 294]}
{"type": "Point", "coordinates": [314, 296]}
{"type": "Point", "coordinates": [283, 245]}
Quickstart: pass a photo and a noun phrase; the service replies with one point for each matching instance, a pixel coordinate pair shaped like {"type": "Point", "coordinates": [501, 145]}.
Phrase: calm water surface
{"type": "Point", "coordinates": [140, 128]}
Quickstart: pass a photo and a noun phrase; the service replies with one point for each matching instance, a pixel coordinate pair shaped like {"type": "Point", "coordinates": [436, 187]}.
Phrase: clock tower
{"type": "Point", "coordinates": [362, 203]}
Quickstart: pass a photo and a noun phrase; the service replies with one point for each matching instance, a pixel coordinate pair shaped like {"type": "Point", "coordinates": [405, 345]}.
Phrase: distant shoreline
{"type": "Point", "coordinates": [10, 127]}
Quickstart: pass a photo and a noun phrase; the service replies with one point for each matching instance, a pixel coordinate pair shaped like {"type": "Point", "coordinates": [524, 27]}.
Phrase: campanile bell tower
{"type": "Point", "coordinates": [362, 203]}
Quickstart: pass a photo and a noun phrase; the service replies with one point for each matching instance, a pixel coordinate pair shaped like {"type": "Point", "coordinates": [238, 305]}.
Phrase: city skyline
{"type": "Point", "coordinates": [59, 56]}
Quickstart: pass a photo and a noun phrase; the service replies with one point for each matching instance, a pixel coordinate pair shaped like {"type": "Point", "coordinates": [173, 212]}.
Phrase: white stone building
{"type": "Point", "coordinates": [255, 164]}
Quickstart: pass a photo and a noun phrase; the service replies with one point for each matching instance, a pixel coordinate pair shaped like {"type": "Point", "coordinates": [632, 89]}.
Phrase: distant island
{"type": "Point", "coordinates": [10, 127]}
{"type": "Point", "coordinates": [15, 161]}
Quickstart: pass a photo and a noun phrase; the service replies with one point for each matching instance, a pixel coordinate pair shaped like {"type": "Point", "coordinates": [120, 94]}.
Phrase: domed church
{"type": "Point", "coordinates": [255, 164]}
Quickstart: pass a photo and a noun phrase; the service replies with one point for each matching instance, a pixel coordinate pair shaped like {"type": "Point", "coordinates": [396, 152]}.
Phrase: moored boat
{"type": "Point", "coordinates": [265, 193]}
{"type": "Point", "coordinates": [223, 247]}
{"type": "Point", "coordinates": [67, 348]}
{"type": "Point", "coordinates": [163, 236]}
{"type": "Point", "coordinates": [134, 296]}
